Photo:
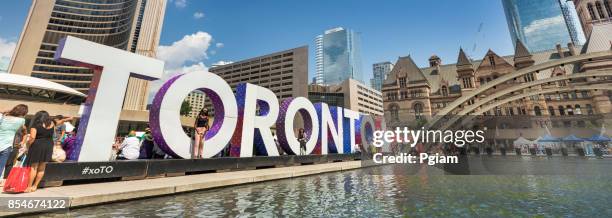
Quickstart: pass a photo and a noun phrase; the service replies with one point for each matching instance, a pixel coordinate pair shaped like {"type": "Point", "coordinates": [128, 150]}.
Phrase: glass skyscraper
{"type": "Point", "coordinates": [338, 56]}
{"type": "Point", "coordinates": [573, 21]}
{"type": "Point", "coordinates": [380, 72]}
{"type": "Point", "coordinates": [542, 24]}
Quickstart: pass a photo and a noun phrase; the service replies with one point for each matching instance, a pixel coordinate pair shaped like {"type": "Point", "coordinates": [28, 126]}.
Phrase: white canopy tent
{"type": "Point", "coordinates": [523, 144]}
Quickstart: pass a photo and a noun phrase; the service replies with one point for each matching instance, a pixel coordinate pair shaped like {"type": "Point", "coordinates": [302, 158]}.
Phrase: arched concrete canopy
{"type": "Point", "coordinates": [524, 95]}
{"type": "Point", "coordinates": [37, 83]}
{"type": "Point", "coordinates": [521, 72]}
{"type": "Point", "coordinates": [501, 93]}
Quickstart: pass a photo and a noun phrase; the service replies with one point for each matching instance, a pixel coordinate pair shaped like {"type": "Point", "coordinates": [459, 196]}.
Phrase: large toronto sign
{"type": "Point", "coordinates": [235, 124]}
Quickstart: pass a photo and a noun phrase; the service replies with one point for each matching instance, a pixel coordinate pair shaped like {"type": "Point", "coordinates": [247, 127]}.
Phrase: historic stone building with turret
{"type": "Point", "coordinates": [527, 93]}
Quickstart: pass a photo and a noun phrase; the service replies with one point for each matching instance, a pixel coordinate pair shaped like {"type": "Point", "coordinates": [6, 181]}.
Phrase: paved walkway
{"type": "Point", "coordinates": [97, 193]}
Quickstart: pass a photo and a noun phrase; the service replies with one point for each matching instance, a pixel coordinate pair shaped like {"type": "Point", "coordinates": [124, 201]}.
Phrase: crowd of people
{"type": "Point", "coordinates": [135, 146]}
{"type": "Point", "coordinates": [32, 145]}
{"type": "Point", "coordinates": [48, 138]}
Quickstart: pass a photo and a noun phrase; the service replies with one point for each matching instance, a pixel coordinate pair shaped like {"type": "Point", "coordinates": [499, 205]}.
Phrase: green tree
{"type": "Point", "coordinates": [185, 108]}
{"type": "Point", "coordinates": [421, 122]}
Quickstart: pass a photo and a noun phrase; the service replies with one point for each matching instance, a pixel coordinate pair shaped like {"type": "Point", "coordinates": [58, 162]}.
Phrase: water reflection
{"type": "Point", "coordinates": [360, 193]}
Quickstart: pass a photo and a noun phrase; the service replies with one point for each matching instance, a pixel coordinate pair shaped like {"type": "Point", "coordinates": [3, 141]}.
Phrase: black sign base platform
{"type": "Point", "coordinates": [57, 174]}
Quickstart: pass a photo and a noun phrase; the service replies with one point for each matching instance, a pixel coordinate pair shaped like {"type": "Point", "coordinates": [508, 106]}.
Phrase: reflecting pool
{"type": "Point", "coordinates": [370, 193]}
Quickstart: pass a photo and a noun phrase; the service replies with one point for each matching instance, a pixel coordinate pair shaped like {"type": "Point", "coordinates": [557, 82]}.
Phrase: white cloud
{"type": "Point", "coordinates": [6, 51]}
{"type": "Point", "coordinates": [539, 25]}
{"type": "Point", "coordinates": [4, 63]}
{"type": "Point", "coordinates": [220, 63]}
{"type": "Point", "coordinates": [6, 48]}
{"type": "Point", "coordinates": [191, 48]}
{"type": "Point", "coordinates": [198, 15]}
{"type": "Point", "coordinates": [169, 73]}
{"type": "Point", "coordinates": [219, 45]}
{"type": "Point", "coordinates": [198, 67]}
{"type": "Point", "coordinates": [183, 56]}
{"type": "Point", "coordinates": [180, 3]}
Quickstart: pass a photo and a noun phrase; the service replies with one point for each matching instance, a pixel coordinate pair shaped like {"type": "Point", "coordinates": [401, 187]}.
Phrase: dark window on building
{"type": "Point", "coordinates": [492, 61]}
{"type": "Point", "coordinates": [537, 111]}
{"type": "Point", "coordinates": [551, 110]}
{"type": "Point", "coordinates": [573, 95]}
{"type": "Point", "coordinates": [509, 111]}
{"type": "Point", "coordinates": [444, 91]}
{"type": "Point", "coordinates": [402, 82]}
{"type": "Point", "coordinates": [600, 10]}
{"type": "Point", "coordinates": [589, 109]}
{"type": "Point", "coordinates": [467, 82]}
{"type": "Point", "coordinates": [418, 110]}
{"type": "Point", "coordinates": [591, 12]}
{"type": "Point", "coordinates": [395, 112]}
{"type": "Point", "coordinates": [570, 110]}
{"type": "Point", "coordinates": [529, 77]}
{"type": "Point", "coordinates": [561, 111]}
{"type": "Point", "coordinates": [498, 111]}
{"type": "Point", "coordinates": [607, 5]}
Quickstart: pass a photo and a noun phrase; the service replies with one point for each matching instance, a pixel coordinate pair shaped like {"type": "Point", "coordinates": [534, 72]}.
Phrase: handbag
{"type": "Point", "coordinates": [18, 179]}
{"type": "Point", "coordinates": [59, 155]}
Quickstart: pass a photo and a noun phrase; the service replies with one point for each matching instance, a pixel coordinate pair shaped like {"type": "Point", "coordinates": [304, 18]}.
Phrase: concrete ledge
{"type": "Point", "coordinates": [118, 196]}
{"type": "Point", "coordinates": [212, 184]}
{"type": "Point", "coordinates": [99, 193]}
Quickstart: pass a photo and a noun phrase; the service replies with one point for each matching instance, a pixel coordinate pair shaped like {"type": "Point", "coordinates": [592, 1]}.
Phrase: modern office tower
{"type": "Point", "coordinates": [196, 101]}
{"type": "Point", "coordinates": [338, 56]}
{"type": "Point", "coordinates": [132, 25]}
{"type": "Point", "coordinates": [380, 71]}
{"type": "Point", "coordinates": [573, 22]}
{"type": "Point", "coordinates": [318, 79]}
{"type": "Point", "coordinates": [350, 94]}
{"type": "Point", "coordinates": [593, 12]}
{"type": "Point", "coordinates": [540, 25]}
{"type": "Point", "coordinates": [284, 72]}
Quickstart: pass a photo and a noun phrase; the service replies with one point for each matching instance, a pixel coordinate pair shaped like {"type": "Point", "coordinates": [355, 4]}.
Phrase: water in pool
{"type": "Point", "coordinates": [374, 192]}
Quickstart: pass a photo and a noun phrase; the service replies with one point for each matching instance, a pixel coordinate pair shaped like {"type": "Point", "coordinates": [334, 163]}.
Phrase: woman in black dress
{"type": "Point", "coordinates": [40, 147]}
{"type": "Point", "coordinates": [302, 139]}
{"type": "Point", "coordinates": [201, 127]}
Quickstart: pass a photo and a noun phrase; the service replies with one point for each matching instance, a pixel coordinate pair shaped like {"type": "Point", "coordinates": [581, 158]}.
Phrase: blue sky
{"type": "Point", "coordinates": [239, 29]}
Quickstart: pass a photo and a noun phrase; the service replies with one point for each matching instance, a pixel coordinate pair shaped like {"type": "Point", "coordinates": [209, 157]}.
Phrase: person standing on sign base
{"type": "Point", "coordinates": [302, 140]}
{"type": "Point", "coordinates": [60, 128]}
{"type": "Point", "coordinates": [70, 142]}
{"type": "Point", "coordinates": [40, 148]}
{"type": "Point", "coordinates": [10, 123]}
{"type": "Point", "coordinates": [201, 127]}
